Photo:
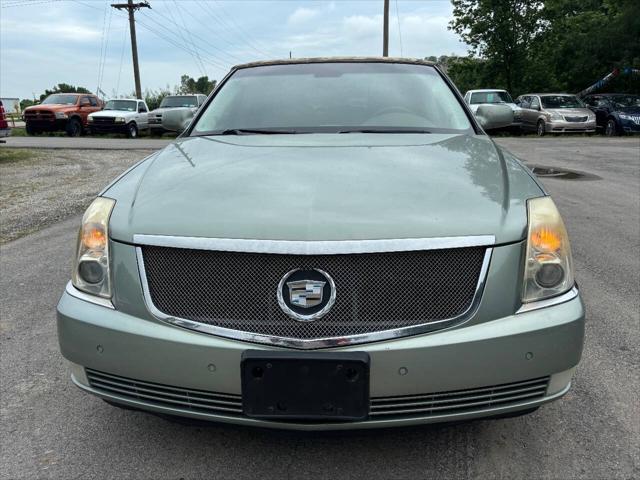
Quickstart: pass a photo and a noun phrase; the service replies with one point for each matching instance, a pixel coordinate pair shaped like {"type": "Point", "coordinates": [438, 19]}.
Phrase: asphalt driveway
{"type": "Point", "coordinates": [50, 429]}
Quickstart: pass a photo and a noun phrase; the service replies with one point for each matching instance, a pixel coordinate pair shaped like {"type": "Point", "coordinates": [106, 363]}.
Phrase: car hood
{"type": "Point", "coordinates": [51, 107]}
{"type": "Point", "coordinates": [112, 113]}
{"type": "Point", "coordinates": [164, 109]}
{"type": "Point", "coordinates": [570, 112]}
{"type": "Point", "coordinates": [325, 187]}
{"type": "Point", "coordinates": [629, 110]}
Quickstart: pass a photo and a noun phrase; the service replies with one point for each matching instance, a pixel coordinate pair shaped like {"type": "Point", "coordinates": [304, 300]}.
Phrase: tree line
{"type": "Point", "coordinates": [544, 45]}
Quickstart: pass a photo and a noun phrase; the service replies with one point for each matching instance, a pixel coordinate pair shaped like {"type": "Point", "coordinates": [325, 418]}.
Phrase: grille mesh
{"type": "Point", "coordinates": [375, 291]}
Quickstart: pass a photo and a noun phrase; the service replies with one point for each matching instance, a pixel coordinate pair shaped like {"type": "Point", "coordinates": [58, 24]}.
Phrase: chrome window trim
{"type": "Point", "coordinates": [317, 343]}
{"type": "Point", "coordinates": [325, 247]}
{"type": "Point", "coordinates": [548, 302]}
{"type": "Point", "coordinates": [74, 292]}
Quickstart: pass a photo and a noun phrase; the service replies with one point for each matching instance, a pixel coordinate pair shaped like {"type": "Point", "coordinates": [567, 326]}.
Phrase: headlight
{"type": "Point", "coordinates": [90, 119]}
{"type": "Point", "coordinates": [91, 263]}
{"type": "Point", "coordinates": [119, 120]}
{"type": "Point", "coordinates": [555, 116]}
{"type": "Point", "coordinates": [625, 116]}
{"type": "Point", "coordinates": [548, 269]}
{"type": "Point", "coordinates": [61, 115]}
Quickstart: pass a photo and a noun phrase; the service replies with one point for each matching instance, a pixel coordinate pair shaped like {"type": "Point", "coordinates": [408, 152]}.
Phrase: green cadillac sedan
{"type": "Point", "coordinates": [329, 244]}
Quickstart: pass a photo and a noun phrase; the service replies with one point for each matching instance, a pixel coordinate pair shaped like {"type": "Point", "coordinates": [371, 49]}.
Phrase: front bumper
{"type": "Point", "coordinates": [108, 128]}
{"type": "Point", "coordinates": [48, 125]}
{"type": "Point", "coordinates": [560, 126]}
{"type": "Point", "coordinates": [629, 126]}
{"type": "Point", "coordinates": [538, 345]}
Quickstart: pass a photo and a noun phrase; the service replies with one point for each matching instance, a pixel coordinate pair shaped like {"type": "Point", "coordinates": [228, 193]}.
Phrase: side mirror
{"type": "Point", "coordinates": [494, 116]}
{"type": "Point", "coordinates": [176, 119]}
{"type": "Point", "coordinates": [535, 107]}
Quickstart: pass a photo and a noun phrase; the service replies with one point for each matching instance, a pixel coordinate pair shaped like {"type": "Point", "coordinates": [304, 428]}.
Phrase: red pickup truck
{"type": "Point", "coordinates": [61, 112]}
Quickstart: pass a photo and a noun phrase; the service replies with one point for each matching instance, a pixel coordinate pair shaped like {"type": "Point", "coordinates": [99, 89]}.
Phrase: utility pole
{"type": "Point", "coordinates": [132, 7]}
{"type": "Point", "coordinates": [385, 33]}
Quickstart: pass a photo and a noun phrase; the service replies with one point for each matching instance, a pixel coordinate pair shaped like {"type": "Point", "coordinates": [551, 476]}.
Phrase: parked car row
{"type": "Point", "coordinates": [76, 113]}
{"type": "Point", "coordinates": [613, 114]}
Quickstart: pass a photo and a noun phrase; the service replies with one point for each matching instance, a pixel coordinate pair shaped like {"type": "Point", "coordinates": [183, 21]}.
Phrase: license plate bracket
{"type": "Point", "coordinates": [305, 385]}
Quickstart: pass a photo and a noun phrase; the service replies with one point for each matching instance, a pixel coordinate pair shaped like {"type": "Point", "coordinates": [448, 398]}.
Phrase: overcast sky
{"type": "Point", "coordinates": [85, 42]}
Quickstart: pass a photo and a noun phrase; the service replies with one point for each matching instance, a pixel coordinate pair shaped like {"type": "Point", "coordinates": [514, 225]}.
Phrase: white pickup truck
{"type": "Point", "coordinates": [122, 115]}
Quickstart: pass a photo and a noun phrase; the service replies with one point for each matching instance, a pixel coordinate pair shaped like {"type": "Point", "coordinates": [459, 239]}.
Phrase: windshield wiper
{"type": "Point", "coordinates": [254, 131]}
{"type": "Point", "coordinates": [383, 130]}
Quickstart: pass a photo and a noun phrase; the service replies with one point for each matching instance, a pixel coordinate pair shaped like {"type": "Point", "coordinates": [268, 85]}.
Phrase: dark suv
{"type": "Point", "coordinates": [616, 113]}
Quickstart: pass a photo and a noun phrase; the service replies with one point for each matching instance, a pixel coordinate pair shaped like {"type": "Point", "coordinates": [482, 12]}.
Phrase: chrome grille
{"type": "Point", "coordinates": [375, 291]}
{"type": "Point", "coordinates": [406, 406]}
{"type": "Point", "coordinates": [575, 119]}
{"type": "Point", "coordinates": [103, 120]}
{"type": "Point", "coordinates": [163, 395]}
{"type": "Point", "coordinates": [459, 401]}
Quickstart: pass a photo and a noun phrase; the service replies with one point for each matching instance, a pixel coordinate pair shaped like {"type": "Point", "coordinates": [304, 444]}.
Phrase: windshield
{"type": "Point", "coordinates": [622, 101]}
{"type": "Point", "coordinates": [60, 100]}
{"type": "Point", "coordinates": [561, 101]}
{"type": "Point", "coordinates": [181, 101]}
{"type": "Point", "coordinates": [490, 97]}
{"type": "Point", "coordinates": [124, 105]}
{"type": "Point", "coordinates": [334, 97]}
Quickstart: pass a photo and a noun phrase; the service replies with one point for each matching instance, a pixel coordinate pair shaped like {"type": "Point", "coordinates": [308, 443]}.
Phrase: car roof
{"type": "Point", "coordinates": [612, 94]}
{"type": "Point", "coordinates": [131, 99]}
{"type": "Point", "coordinates": [483, 90]}
{"type": "Point", "coordinates": [296, 61]}
{"type": "Point", "coordinates": [550, 94]}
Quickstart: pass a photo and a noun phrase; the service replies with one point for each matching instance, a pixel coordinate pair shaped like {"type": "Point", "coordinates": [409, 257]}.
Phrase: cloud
{"type": "Point", "coordinates": [302, 15]}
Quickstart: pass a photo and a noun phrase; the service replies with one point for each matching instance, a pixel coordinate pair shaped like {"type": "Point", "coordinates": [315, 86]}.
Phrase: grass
{"type": "Point", "coordinates": [21, 132]}
{"type": "Point", "coordinates": [11, 155]}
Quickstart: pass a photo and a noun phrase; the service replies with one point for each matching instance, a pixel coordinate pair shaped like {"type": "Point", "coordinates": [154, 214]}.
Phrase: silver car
{"type": "Point", "coordinates": [329, 244]}
{"type": "Point", "coordinates": [188, 103]}
{"type": "Point", "coordinates": [476, 98]}
{"type": "Point", "coordinates": [555, 113]}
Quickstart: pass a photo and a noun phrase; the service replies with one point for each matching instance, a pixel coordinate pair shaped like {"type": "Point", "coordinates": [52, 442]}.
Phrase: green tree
{"type": "Point", "coordinates": [500, 31]}
{"type": "Point", "coordinates": [63, 88]}
{"type": "Point", "coordinates": [202, 85]}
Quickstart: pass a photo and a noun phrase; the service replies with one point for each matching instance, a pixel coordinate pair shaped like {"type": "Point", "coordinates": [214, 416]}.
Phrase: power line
{"type": "Point", "coordinates": [102, 38]}
{"type": "Point", "coordinates": [104, 55]}
{"type": "Point", "coordinates": [184, 40]}
{"type": "Point", "coordinates": [168, 35]}
{"type": "Point", "coordinates": [124, 41]}
{"type": "Point", "coordinates": [204, 73]}
{"type": "Point", "coordinates": [227, 25]}
{"type": "Point", "coordinates": [131, 9]}
{"type": "Point", "coordinates": [399, 29]}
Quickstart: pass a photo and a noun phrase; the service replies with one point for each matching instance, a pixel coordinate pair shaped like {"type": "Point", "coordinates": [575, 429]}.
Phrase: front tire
{"type": "Point", "coordinates": [74, 128]}
{"type": "Point", "coordinates": [541, 129]}
{"type": "Point", "coordinates": [30, 130]}
{"type": "Point", "coordinates": [132, 130]}
{"type": "Point", "coordinates": [611, 129]}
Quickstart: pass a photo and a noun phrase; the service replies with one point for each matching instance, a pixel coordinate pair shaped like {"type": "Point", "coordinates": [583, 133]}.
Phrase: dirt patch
{"type": "Point", "coordinates": [41, 187]}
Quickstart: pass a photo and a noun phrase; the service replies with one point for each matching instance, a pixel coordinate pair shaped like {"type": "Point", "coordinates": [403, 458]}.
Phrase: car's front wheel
{"type": "Point", "coordinates": [74, 128]}
{"type": "Point", "coordinates": [132, 130]}
{"type": "Point", "coordinates": [30, 130]}
{"type": "Point", "coordinates": [541, 129]}
{"type": "Point", "coordinates": [611, 129]}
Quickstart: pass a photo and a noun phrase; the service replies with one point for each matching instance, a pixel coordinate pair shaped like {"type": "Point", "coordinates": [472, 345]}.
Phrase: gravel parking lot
{"type": "Point", "coordinates": [41, 187]}
{"type": "Point", "coordinates": [50, 429]}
